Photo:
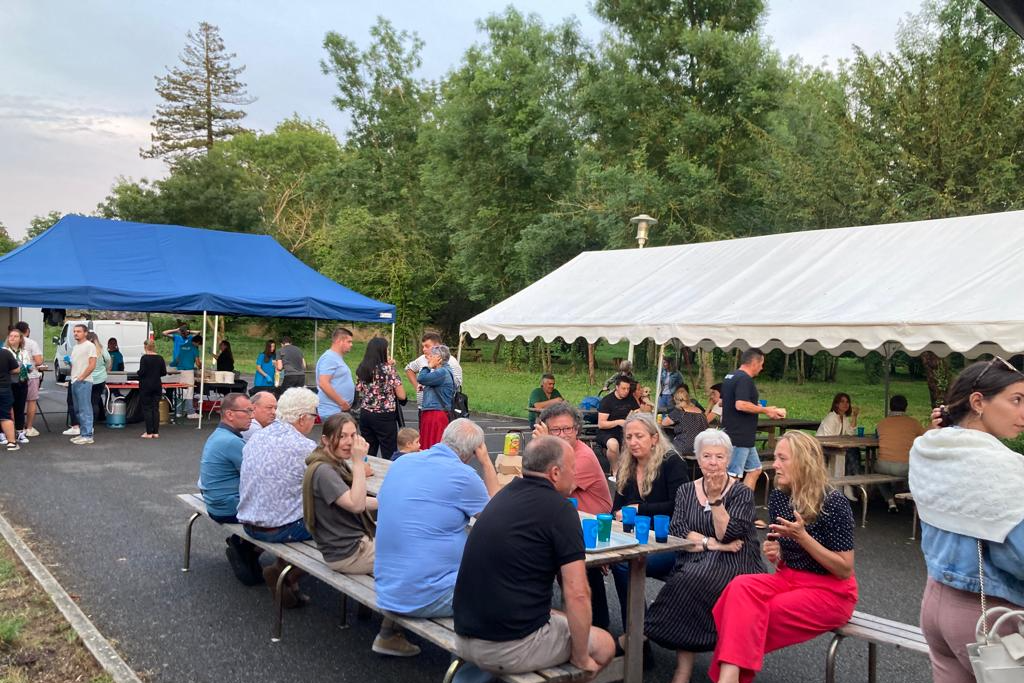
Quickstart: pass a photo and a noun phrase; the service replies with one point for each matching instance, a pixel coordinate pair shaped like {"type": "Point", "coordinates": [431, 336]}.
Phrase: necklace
{"type": "Point", "coordinates": [707, 500]}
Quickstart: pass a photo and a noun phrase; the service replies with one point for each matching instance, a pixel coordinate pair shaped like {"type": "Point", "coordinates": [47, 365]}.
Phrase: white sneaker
{"type": "Point", "coordinates": [72, 431]}
{"type": "Point", "coordinates": [193, 416]}
{"type": "Point", "coordinates": [81, 440]}
{"type": "Point", "coordinates": [13, 447]}
{"type": "Point", "coordinates": [22, 438]}
{"type": "Point", "coordinates": [3, 440]}
{"type": "Point", "coordinates": [850, 495]}
{"type": "Point", "coordinates": [31, 431]}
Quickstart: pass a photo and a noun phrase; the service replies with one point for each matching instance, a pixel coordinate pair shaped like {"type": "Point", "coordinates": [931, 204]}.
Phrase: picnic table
{"type": "Point", "coordinates": [834, 449]}
{"type": "Point", "coordinates": [781, 426]}
{"type": "Point", "coordinates": [636, 556]}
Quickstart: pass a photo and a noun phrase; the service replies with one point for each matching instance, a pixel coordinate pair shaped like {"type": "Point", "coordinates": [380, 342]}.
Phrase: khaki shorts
{"type": "Point", "coordinates": [548, 646]}
{"type": "Point", "coordinates": [359, 562]}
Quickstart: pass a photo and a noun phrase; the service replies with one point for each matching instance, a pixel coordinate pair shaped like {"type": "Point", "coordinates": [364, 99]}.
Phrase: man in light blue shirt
{"type": "Point", "coordinates": [425, 504]}
{"type": "Point", "coordinates": [333, 376]}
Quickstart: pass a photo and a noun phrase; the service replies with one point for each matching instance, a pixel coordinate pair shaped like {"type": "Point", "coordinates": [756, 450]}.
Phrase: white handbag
{"type": "Point", "coordinates": [995, 658]}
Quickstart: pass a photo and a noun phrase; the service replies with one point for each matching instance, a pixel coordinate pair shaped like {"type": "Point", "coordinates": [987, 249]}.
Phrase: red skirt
{"type": "Point", "coordinates": [432, 424]}
{"type": "Point", "coordinates": [759, 613]}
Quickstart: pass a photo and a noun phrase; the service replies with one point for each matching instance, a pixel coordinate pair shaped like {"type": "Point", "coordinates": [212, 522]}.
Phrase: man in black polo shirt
{"type": "Point", "coordinates": [740, 409]}
{"type": "Point", "coordinates": [611, 416]}
{"type": "Point", "coordinates": [526, 535]}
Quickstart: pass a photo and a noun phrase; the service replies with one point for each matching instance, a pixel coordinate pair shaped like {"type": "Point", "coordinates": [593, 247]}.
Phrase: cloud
{"type": "Point", "coordinates": [49, 118]}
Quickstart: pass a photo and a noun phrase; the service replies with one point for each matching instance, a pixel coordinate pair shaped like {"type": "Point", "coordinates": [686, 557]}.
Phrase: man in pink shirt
{"type": "Point", "coordinates": [592, 493]}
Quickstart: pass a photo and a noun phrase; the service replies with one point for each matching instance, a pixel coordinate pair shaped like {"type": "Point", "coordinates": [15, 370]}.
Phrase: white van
{"type": "Point", "coordinates": [130, 335]}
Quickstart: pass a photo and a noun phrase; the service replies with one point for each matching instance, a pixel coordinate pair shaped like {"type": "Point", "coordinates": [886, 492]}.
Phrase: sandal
{"type": "Point", "coordinates": [760, 524]}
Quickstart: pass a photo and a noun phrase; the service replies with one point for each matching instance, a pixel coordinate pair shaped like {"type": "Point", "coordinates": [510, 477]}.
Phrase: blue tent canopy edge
{"type": "Point", "coordinates": [84, 262]}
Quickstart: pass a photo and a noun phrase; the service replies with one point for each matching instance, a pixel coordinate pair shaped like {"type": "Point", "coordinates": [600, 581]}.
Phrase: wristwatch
{"type": "Point", "coordinates": [718, 502]}
{"type": "Point", "coordinates": [705, 542]}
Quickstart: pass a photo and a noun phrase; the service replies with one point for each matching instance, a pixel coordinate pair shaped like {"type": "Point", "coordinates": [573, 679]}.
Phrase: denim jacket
{"type": "Point", "coordinates": [438, 388]}
{"type": "Point", "coordinates": [952, 560]}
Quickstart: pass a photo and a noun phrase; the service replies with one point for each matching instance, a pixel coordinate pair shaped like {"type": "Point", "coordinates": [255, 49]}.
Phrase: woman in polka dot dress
{"type": "Point", "coordinates": [813, 589]}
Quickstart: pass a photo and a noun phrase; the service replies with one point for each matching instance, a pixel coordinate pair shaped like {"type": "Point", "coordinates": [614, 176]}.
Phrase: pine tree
{"type": "Point", "coordinates": [197, 99]}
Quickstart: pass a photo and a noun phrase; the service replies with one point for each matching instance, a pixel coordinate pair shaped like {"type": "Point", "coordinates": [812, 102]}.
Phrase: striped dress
{"type": "Point", "coordinates": [680, 617]}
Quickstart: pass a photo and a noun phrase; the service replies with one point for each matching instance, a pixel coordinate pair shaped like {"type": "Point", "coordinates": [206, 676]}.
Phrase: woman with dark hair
{"type": "Point", "coordinates": [116, 357]}
{"type": "Point", "coordinates": [813, 589]}
{"type": "Point", "coordinates": [225, 359]}
{"type": "Point", "coordinates": [967, 487]}
{"type": "Point", "coordinates": [379, 389]}
{"type": "Point", "coordinates": [266, 364]}
{"type": "Point", "coordinates": [842, 421]}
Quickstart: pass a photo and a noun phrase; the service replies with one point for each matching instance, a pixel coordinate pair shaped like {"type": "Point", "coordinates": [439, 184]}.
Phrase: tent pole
{"type": "Point", "coordinates": [149, 327]}
{"type": "Point", "coordinates": [392, 347]}
{"type": "Point", "coordinates": [216, 329]}
{"type": "Point", "coordinates": [887, 353]}
{"type": "Point", "coordinates": [629, 354]}
{"type": "Point", "coordinates": [316, 327]}
{"type": "Point", "coordinates": [657, 382]}
{"type": "Point", "coordinates": [202, 375]}
{"type": "Point", "coordinates": [458, 355]}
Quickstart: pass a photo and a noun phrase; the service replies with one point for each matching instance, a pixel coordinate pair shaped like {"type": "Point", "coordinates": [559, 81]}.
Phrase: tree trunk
{"type": "Point", "coordinates": [799, 366]}
{"type": "Point", "coordinates": [785, 365]}
{"type": "Point", "coordinates": [497, 350]}
{"type": "Point", "coordinates": [590, 364]}
{"type": "Point", "coordinates": [707, 369]}
{"type": "Point", "coordinates": [931, 372]}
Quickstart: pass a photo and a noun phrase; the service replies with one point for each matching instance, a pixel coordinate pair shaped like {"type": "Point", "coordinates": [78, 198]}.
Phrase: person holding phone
{"type": "Point", "coordinates": [813, 589]}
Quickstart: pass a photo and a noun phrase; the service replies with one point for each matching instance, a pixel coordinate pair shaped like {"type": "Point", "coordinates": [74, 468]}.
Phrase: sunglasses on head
{"type": "Point", "coordinates": [995, 362]}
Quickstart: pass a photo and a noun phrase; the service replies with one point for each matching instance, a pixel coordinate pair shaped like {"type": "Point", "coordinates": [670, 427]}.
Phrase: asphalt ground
{"type": "Point", "coordinates": [105, 519]}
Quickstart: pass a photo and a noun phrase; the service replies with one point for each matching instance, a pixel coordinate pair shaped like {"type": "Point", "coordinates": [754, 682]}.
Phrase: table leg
{"type": "Point", "coordinates": [770, 445]}
{"type": "Point", "coordinates": [837, 461]}
{"type": "Point", "coordinates": [634, 664]}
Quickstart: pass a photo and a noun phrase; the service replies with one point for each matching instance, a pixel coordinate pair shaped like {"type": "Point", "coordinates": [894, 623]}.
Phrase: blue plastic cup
{"type": "Point", "coordinates": [860, 431]}
{"type": "Point", "coordinates": [590, 533]}
{"type": "Point", "coordinates": [628, 519]}
{"type": "Point", "coordinates": [604, 527]}
{"type": "Point", "coordinates": [661, 528]}
{"type": "Point", "coordinates": [575, 503]}
{"type": "Point", "coordinates": [643, 529]}
{"type": "Point", "coordinates": [764, 403]}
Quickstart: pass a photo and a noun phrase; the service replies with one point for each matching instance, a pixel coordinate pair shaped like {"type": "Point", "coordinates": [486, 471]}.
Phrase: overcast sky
{"type": "Point", "coordinates": [77, 92]}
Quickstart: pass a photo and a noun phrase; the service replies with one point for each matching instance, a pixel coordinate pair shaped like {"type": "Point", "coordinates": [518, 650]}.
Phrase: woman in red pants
{"type": "Point", "coordinates": [813, 589]}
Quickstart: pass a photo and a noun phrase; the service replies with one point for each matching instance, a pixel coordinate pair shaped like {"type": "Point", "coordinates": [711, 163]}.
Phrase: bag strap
{"type": "Point", "coordinates": [981, 581]}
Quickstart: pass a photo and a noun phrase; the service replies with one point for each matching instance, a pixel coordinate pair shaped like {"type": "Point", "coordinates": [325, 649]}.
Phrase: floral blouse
{"type": "Point", "coordinates": [379, 395]}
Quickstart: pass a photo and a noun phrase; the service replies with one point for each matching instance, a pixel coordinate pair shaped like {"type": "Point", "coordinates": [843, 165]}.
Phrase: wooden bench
{"type": "Point", "coordinates": [876, 631]}
{"type": "Point", "coordinates": [862, 481]}
{"type": "Point", "coordinates": [361, 588]}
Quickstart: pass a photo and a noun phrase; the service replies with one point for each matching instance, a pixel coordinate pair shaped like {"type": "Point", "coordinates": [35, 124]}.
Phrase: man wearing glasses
{"type": "Point", "coordinates": [592, 495]}
{"type": "Point", "coordinates": [219, 472]}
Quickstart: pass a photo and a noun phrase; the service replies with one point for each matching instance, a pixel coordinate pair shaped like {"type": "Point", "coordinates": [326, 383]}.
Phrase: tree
{"type": "Point", "coordinates": [503, 146]}
{"type": "Point", "coordinates": [199, 99]}
{"type": "Point", "coordinates": [40, 224]}
{"type": "Point", "coordinates": [6, 243]}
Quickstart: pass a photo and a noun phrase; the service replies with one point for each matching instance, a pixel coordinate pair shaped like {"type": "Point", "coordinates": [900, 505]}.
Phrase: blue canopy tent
{"type": "Point", "coordinates": [84, 262]}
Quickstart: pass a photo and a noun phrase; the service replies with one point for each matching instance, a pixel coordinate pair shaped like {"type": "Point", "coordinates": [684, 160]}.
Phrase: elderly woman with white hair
{"type": "Point", "coordinates": [270, 487]}
{"type": "Point", "coordinates": [438, 382]}
{"type": "Point", "coordinates": [716, 512]}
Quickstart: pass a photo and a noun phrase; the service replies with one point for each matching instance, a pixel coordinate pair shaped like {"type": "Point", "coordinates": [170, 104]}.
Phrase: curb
{"type": "Point", "coordinates": [98, 645]}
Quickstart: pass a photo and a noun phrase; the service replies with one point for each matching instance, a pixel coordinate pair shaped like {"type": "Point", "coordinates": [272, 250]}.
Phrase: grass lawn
{"type": "Point", "coordinates": [36, 644]}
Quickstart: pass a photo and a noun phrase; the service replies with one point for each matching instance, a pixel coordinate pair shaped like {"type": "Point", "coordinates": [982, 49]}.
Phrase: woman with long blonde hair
{"type": "Point", "coordinates": [648, 475]}
{"type": "Point", "coordinates": [813, 590]}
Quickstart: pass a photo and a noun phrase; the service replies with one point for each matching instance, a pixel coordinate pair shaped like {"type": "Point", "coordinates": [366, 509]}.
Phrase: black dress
{"type": "Point", "coordinates": [685, 428]}
{"type": "Point", "coordinates": [152, 367]}
{"type": "Point", "coordinates": [680, 617]}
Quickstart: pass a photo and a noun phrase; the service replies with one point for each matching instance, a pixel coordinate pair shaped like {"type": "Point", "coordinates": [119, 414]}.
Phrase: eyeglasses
{"type": "Point", "coordinates": [557, 431]}
{"type": "Point", "coordinates": [242, 410]}
{"type": "Point", "coordinates": [996, 360]}
{"type": "Point", "coordinates": [312, 415]}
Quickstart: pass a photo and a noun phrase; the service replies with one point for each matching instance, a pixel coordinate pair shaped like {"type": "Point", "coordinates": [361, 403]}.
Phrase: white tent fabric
{"type": "Point", "coordinates": [954, 284]}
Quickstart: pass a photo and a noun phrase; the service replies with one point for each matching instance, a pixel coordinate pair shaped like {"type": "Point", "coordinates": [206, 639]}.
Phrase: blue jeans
{"type": "Point", "coordinates": [659, 565]}
{"type": "Point", "coordinates": [289, 533]}
{"type": "Point", "coordinates": [744, 459]}
{"type": "Point", "coordinates": [81, 393]}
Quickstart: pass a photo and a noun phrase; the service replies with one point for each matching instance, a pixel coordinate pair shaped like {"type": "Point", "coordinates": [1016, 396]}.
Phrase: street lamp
{"type": "Point", "coordinates": [643, 224]}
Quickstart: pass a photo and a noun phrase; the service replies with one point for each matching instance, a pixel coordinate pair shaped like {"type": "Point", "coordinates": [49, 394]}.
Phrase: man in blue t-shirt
{"type": "Point", "coordinates": [425, 504]}
{"type": "Point", "coordinates": [185, 361]}
{"type": "Point", "coordinates": [333, 376]}
{"type": "Point", "coordinates": [219, 473]}
{"type": "Point", "coordinates": [740, 409]}
{"type": "Point", "coordinates": [179, 335]}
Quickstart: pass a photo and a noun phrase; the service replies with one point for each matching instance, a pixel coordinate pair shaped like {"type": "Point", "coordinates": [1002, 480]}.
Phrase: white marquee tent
{"type": "Point", "coordinates": [954, 284]}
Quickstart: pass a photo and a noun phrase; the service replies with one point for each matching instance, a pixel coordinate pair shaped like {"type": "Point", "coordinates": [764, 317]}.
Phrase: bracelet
{"type": "Point", "coordinates": [705, 543]}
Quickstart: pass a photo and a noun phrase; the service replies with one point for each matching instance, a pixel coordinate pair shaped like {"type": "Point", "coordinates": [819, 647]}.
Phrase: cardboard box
{"type": "Point", "coordinates": [509, 467]}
